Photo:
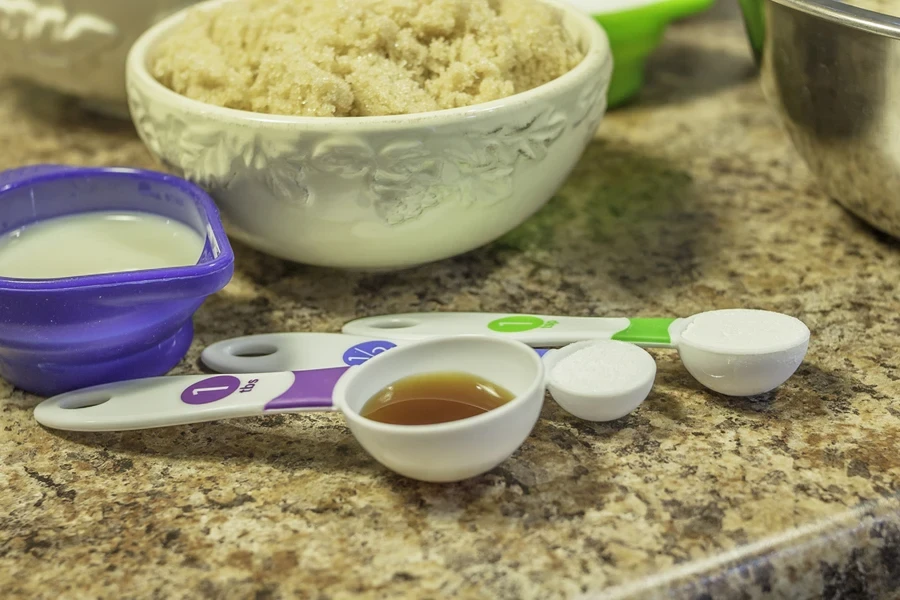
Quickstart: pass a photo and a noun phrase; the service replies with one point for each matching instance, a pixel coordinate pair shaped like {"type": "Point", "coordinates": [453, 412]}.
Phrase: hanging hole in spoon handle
{"type": "Point", "coordinates": [272, 352]}
{"type": "Point", "coordinates": [393, 323]}
{"type": "Point", "coordinates": [166, 401]}
{"type": "Point", "coordinates": [254, 351]}
{"type": "Point", "coordinates": [93, 397]}
{"type": "Point", "coordinates": [249, 354]}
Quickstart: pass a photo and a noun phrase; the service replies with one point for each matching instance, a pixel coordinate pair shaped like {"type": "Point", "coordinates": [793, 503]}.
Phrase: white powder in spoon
{"type": "Point", "coordinates": [744, 330]}
{"type": "Point", "coordinates": [603, 368]}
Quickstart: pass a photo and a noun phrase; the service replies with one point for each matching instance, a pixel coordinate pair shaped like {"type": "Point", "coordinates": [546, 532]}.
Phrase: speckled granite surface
{"type": "Point", "coordinates": [690, 200]}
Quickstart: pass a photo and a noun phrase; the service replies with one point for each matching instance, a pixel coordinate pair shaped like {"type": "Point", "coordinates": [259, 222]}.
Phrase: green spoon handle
{"type": "Point", "coordinates": [534, 330]}
{"type": "Point", "coordinates": [647, 332]}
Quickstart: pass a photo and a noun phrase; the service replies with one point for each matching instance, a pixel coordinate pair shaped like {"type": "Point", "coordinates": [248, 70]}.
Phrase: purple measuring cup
{"type": "Point", "coordinates": [57, 335]}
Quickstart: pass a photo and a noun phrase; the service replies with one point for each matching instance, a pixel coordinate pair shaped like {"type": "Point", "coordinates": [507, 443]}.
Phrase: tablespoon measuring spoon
{"type": "Point", "coordinates": [265, 352]}
{"type": "Point", "coordinates": [736, 352]}
{"type": "Point", "coordinates": [633, 368]}
{"type": "Point", "coordinates": [440, 452]}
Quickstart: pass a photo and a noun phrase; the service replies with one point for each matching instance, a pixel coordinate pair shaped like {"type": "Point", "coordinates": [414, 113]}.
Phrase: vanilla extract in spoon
{"type": "Point", "coordinates": [430, 398]}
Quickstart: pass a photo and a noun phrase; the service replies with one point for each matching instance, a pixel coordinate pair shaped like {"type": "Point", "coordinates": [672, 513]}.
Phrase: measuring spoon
{"type": "Point", "coordinates": [271, 352]}
{"type": "Point", "coordinates": [736, 352]}
{"type": "Point", "coordinates": [268, 352]}
{"type": "Point", "coordinates": [439, 453]}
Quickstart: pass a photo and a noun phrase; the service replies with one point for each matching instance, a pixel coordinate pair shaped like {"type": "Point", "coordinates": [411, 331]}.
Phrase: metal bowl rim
{"type": "Point", "coordinates": [846, 14]}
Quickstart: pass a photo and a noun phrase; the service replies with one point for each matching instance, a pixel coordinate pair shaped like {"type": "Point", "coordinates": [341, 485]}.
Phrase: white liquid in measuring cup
{"type": "Point", "coordinates": [98, 242]}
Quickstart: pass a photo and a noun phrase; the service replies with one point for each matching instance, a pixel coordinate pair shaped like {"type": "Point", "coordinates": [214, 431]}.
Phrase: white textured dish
{"type": "Point", "coordinates": [77, 47]}
{"type": "Point", "coordinates": [377, 192]}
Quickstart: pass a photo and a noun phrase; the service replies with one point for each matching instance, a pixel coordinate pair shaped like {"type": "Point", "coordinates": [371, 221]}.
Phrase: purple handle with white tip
{"type": "Point", "coordinates": [165, 401]}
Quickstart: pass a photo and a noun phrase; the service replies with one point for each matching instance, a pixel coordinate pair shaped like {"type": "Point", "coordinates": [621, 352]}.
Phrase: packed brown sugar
{"type": "Point", "coordinates": [364, 57]}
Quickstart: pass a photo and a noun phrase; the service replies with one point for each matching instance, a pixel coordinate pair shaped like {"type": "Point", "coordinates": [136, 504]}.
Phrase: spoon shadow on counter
{"type": "Point", "coordinates": [813, 393]}
{"type": "Point", "coordinates": [319, 445]}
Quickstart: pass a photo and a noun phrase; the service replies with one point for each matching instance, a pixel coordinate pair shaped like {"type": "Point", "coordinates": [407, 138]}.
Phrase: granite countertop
{"type": "Point", "coordinates": [691, 199]}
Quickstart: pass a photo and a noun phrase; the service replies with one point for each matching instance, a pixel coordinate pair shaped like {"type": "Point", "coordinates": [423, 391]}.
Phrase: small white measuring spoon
{"type": "Point", "coordinates": [441, 452]}
{"type": "Point", "coordinates": [736, 352]}
{"type": "Point", "coordinates": [600, 380]}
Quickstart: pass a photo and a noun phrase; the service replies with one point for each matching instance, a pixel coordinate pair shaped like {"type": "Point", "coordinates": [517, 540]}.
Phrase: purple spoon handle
{"type": "Point", "coordinates": [165, 401]}
{"type": "Point", "coordinates": [310, 390]}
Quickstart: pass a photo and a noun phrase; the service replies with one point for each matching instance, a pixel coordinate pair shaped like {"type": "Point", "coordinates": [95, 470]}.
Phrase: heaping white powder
{"type": "Point", "coordinates": [744, 330]}
{"type": "Point", "coordinates": [603, 368]}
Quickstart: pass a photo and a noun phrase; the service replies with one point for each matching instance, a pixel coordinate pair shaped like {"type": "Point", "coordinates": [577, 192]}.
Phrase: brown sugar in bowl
{"type": "Point", "coordinates": [376, 192]}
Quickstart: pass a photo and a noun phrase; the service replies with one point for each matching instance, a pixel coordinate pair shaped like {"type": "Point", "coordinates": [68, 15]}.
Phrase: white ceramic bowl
{"type": "Point", "coordinates": [377, 192]}
{"type": "Point", "coordinates": [77, 47]}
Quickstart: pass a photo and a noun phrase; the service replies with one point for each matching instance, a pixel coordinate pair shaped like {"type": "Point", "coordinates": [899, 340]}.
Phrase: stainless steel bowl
{"type": "Point", "coordinates": [832, 72]}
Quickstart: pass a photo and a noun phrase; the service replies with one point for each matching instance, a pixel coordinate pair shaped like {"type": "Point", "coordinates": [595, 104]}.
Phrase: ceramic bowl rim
{"type": "Point", "coordinates": [597, 55]}
{"type": "Point", "coordinates": [200, 198]}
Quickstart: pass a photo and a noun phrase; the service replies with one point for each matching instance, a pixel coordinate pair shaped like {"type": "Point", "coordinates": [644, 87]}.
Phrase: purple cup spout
{"type": "Point", "coordinates": [57, 335]}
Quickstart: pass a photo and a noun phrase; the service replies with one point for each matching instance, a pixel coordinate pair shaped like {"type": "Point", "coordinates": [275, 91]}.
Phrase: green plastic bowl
{"type": "Point", "coordinates": [635, 29]}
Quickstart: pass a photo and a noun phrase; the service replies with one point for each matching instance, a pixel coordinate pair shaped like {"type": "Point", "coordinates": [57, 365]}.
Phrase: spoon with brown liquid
{"type": "Point", "coordinates": [437, 410]}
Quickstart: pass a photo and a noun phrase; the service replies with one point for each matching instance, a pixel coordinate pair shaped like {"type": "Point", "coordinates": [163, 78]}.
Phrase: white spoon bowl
{"type": "Point", "coordinates": [612, 400]}
{"type": "Point", "coordinates": [741, 352]}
